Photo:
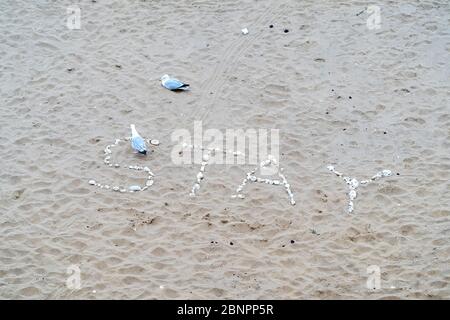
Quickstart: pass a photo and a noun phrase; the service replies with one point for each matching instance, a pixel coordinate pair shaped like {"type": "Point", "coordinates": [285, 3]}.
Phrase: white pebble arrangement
{"type": "Point", "coordinates": [207, 154]}
{"type": "Point", "coordinates": [251, 177]}
{"type": "Point", "coordinates": [353, 184]}
{"type": "Point", "coordinates": [107, 162]}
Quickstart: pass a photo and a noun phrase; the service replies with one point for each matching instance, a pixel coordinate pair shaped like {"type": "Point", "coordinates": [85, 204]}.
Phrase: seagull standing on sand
{"type": "Point", "coordinates": [137, 142]}
{"type": "Point", "coordinates": [172, 83]}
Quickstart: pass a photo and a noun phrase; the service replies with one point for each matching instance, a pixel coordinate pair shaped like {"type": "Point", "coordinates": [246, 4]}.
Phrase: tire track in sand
{"type": "Point", "coordinates": [231, 57]}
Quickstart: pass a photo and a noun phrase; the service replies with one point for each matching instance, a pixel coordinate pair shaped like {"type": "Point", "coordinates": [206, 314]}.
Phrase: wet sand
{"type": "Point", "coordinates": [362, 100]}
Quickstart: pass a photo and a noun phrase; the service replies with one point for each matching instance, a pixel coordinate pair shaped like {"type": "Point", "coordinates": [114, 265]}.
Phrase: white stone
{"type": "Point", "coordinates": [386, 173]}
{"type": "Point", "coordinates": [134, 188]}
{"type": "Point", "coordinates": [154, 142]}
{"type": "Point", "coordinates": [92, 182]}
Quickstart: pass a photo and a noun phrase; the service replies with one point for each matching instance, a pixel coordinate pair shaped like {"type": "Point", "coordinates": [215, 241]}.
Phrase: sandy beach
{"type": "Point", "coordinates": [340, 93]}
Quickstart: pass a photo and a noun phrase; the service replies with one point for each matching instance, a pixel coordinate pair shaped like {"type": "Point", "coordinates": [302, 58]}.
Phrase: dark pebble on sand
{"type": "Point", "coordinates": [118, 66]}
{"type": "Point", "coordinates": [349, 97]}
{"type": "Point", "coordinates": [286, 30]}
{"type": "Point", "coordinates": [271, 26]}
{"type": "Point", "coordinates": [231, 243]}
{"type": "Point", "coordinates": [70, 69]}
{"type": "Point", "coordinates": [384, 132]}
{"type": "Point", "coordinates": [166, 204]}
{"type": "Point", "coordinates": [292, 241]}
{"type": "Point", "coordinates": [398, 173]}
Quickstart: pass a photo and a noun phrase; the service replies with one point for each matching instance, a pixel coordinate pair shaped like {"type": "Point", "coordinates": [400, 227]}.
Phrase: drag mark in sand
{"type": "Point", "coordinates": [353, 184]}
{"type": "Point", "coordinates": [107, 161]}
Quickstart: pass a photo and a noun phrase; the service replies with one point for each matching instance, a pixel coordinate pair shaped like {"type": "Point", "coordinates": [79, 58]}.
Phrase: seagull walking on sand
{"type": "Point", "coordinates": [137, 142]}
{"type": "Point", "coordinates": [172, 83]}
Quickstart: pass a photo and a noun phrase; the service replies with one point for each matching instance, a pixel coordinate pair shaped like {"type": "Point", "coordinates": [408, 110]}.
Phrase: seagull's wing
{"type": "Point", "coordinates": [138, 144]}
{"type": "Point", "coordinates": [173, 84]}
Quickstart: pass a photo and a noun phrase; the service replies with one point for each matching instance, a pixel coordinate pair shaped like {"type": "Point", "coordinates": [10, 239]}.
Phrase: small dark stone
{"type": "Point", "coordinates": [286, 30]}
{"type": "Point", "coordinates": [283, 245]}
{"type": "Point", "coordinates": [384, 132]}
{"type": "Point", "coordinates": [70, 69]}
{"type": "Point", "coordinates": [292, 241]}
{"type": "Point", "coordinates": [344, 129]}
{"type": "Point", "coordinates": [398, 173]}
{"type": "Point", "coordinates": [327, 112]}
{"type": "Point", "coordinates": [118, 66]}
{"type": "Point", "coordinates": [332, 90]}
{"type": "Point", "coordinates": [231, 243]}
{"type": "Point", "coordinates": [166, 204]}
{"type": "Point", "coordinates": [271, 26]}
{"type": "Point", "coordinates": [350, 97]}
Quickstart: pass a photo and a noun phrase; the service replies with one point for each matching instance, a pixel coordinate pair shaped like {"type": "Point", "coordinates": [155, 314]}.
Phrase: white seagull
{"type": "Point", "coordinates": [172, 83]}
{"type": "Point", "coordinates": [137, 142]}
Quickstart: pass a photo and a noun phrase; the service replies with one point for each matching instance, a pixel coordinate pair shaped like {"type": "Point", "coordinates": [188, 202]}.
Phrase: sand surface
{"type": "Point", "coordinates": [161, 243]}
